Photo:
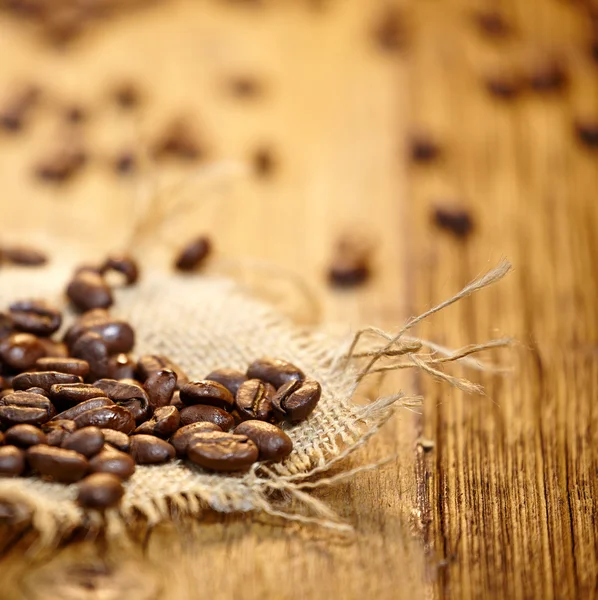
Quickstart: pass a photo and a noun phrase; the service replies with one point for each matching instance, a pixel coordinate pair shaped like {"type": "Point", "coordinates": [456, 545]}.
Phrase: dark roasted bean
{"type": "Point", "coordinates": [151, 363]}
{"type": "Point", "coordinates": [348, 270]}
{"type": "Point", "coordinates": [118, 439]}
{"type": "Point", "coordinates": [254, 400]}
{"type": "Point", "coordinates": [110, 417]}
{"type": "Point", "coordinates": [207, 392]}
{"type": "Point", "coordinates": [100, 491]}
{"type": "Point", "coordinates": [87, 441]}
{"type": "Point", "coordinates": [177, 140]}
{"type": "Point", "coordinates": [70, 394]}
{"type": "Point", "coordinates": [164, 422]}
{"type": "Point", "coordinates": [35, 316]}
{"type": "Point", "coordinates": [160, 386]}
{"type": "Point", "coordinates": [124, 264]}
{"type": "Point", "coordinates": [587, 133]}
{"type": "Point", "coordinates": [193, 254]}
{"type": "Point", "coordinates": [113, 461]}
{"type": "Point", "coordinates": [131, 396]}
{"type": "Point", "coordinates": [92, 348]}
{"type": "Point", "coordinates": [24, 256]}
{"type": "Point", "coordinates": [44, 380]}
{"type": "Point", "coordinates": [20, 351]}
{"type": "Point", "coordinates": [231, 379]}
{"type": "Point", "coordinates": [150, 450]}
{"type": "Point", "coordinates": [295, 400]}
{"type": "Point", "coordinates": [274, 371]}
{"type": "Point", "coordinates": [389, 30]}
{"type": "Point", "coordinates": [66, 466]}
{"type": "Point", "coordinates": [73, 366]}
{"type": "Point", "coordinates": [88, 290]}
{"type": "Point", "coordinates": [24, 436]}
{"type": "Point", "coordinates": [456, 220]}
{"type": "Point", "coordinates": [126, 94]}
{"type": "Point", "coordinates": [54, 349]}
{"type": "Point", "coordinates": [271, 441]}
{"type": "Point", "coordinates": [12, 461]}
{"type": "Point", "coordinates": [222, 451]}
{"type": "Point", "coordinates": [211, 414]}
{"type": "Point", "coordinates": [180, 440]}
{"type": "Point", "coordinates": [423, 148]}
{"type": "Point", "coordinates": [26, 408]}
{"type": "Point", "coordinates": [81, 325]}
{"type": "Point", "coordinates": [70, 414]}
{"type": "Point", "coordinates": [57, 430]}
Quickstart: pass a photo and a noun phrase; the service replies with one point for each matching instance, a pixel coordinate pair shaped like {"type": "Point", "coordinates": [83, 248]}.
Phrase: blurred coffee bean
{"type": "Point", "coordinates": [275, 371]}
{"type": "Point", "coordinates": [20, 351]}
{"type": "Point", "coordinates": [126, 94]}
{"type": "Point", "coordinates": [57, 430]}
{"type": "Point", "coordinates": [264, 162]}
{"type": "Point", "coordinates": [160, 386]}
{"type": "Point", "coordinates": [504, 85]}
{"type": "Point", "coordinates": [231, 379]}
{"type": "Point", "coordinates": [123, 264]}
{"type": "Point", "coordinates": [150, 450]}
{"type": "Point", "coordinates": [492, 23]}
{"type": "Point", "coordinates": [348, 270]}
{"type": "Point", "coordinates": [219, 451]}
{"type": "Point", "coordinates": [71, 394]}
{"type": "Point", "coordinates": [25, 256]}
{"type": "Point", "coordinates": [457, 221]}
{"type": "Point", "coordinates": [254, 400]}
{"type": "Point", "coordinates": [14, 114]}
{"type": "Point", "coordinates": [177, 140]}
{"type": "Point", "coordinates": [88, 290]}
{"type": "Point", "coordinates": [296, 400]}
{"type": "Point", "coordinates": [25, 408]}
{"type": "Point", "coordinates": [100, 491]}
{"type": "Point", "coordinates": [12, 461]}
{"type": "Point", "coordinates": [389, 30]}
{"type": "Point", "coordinates": [35, 316]}
{"type": "Point", "coordinates": [547, 75]}
{"type": "Point", "coordinates": [245, 86]}
{"type": "Point", "coordinates": [180, 440]}
{"type": "Point", "coordinates": [114, 462]}
{"type": "Point", "coordinates": [61, 164]}
{"type": "Point", "coordinates": [125, 162]}
{"type": "Point", "coordinates": [206, 392]}
{"type": "Point", "coordinates": [75, 114]}
{"type": "Point", "coordinates": [73, 366]}
{"type": "Point", "coordinates": [87, 441]}
{"type": "Point", "coordinates": [107, 417]}
{"type": "Point", "coordinates": [54, 349]}
{"type": "Point", "coordinates": [193, 254]}
{"type": "Point", "coordinates": [117, 439]}
{"type": "Point", "coordinates": [130, 396]}
{"type": "Point", "coordinates": [423, 148]}
{"type": "Point", "coordinates": [24, 436]}
{"type": "Point", "coordinates": [66, 466]}
{"type": "Point", "coordinates": [44, 380]}
{"type": "Point", "coordinates": [211, 414]}
{"type": "Point", "coordinates": [271, 441]}
{"type": "Point", "coordinates": [163, 423]}
{"type": "Point", "coordinates": [587, 133]}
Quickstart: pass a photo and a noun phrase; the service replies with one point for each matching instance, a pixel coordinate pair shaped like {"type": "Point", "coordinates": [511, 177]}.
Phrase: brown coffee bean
{"type": "Point", "coordinates": [72, 366]}
{"type": "Point", "coordinates": [222, 451]}
{"type": "Point", "coordinates": [25, 408]}
{"type": "Point", "coordinates": [389, 30]}
{"type": "Point", "coordinates": [113, 461]}
{"type": "Point", "coordinates": [207, 392]}
{"type": "Point", "coordinates": [61, 163]}
{"type": "Point", "coordinates": [492, 23]}
{"type": "Point", "coordinates": [88, 318]}
{"type": "Point", "coordinates": [57, 430]}
{"type": "Point", "coordinates": [254, 400]}
{"type": "Point", "coordinates": [20, 351]}
{"type": "Point", "coordinates": [150, 363]}
{"type": "Point", "coordinates": [44, 380]}
{"type": "Point", "coordinates": [66, 466]}
{"type": "Point", "coordinates": [150, 450]}
{"type": "Point", "coordinates": [117, 439]}
{"type": "Point", "coordinates": [24, 436]}
{"type": "Point", "coordinates": [587, 133]}
{"type": "Point", "coordinates": [271, 441]}
{"type": "Point", "coordinates": [275, 371]}
{"type": "Point", "coordinates": [193, 254]}
{"type": "Point", "coordinates": [203, 413]}
{"type": "Point", "coordinates": [124, 264]}
{"type": "Point", "coordinates": [126, 94]}
{"type": "Point", "coordinates": [164, 422]}
{"type": "Point", "coordinates": [70, 394]}
{"type": "Point", "coordinates": [24, 256]}
{"type": "Point", "coordinates": [130, 396]}
{"type": "Point", "coordinates": [180, 440]}
{"type": "Point", "coordinates": [35, 316]}
{"type": "Point", "coordinates": [245, 86]}
{"type": "Point", "coordinates": [547, 75]}
{"type": "Point", "coordinates": [54, 349]}
{"type": "Point", "coordinates": [100, 491]}
{"type": "Point", "coordinates": [264, 162]}
{"type": "Point", "coordinates": [87, 441]}
{"type": "Point", "coordinates": [12, 461]}
{"type": "Point", "coordinates": [231, 379]}
{"type": "Point", "coordinates": [296, 400]}
{"type": "Point", "coordinates": [177, 140]}
{"type": "Point", "coordinates": [107, 417]}
{"type": "Point", "coordinates": [423, 148]}
{"type": "Point", "coordinates": [92, 348]}
{"type": "Point", "coordinates": [457, 221]}
{"type": "Point", "coordinates": [88, 290]}
{"type": "Point", "coordinates": [13, 115]}
{"type": "Point", "coordinates": [70, 414]}
{"type": "Point", "coordinates": [117, 334]}
{"type": "Point", "coordinates": [160, 386]}
{"type": "Point", "coordinates": [121, 366]}
{"type": "Point", "coordinates": [348, 270]}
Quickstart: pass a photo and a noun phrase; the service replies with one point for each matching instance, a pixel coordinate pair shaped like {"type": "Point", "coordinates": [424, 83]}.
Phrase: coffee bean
{"type": "Point", "coordinates": [20, 351]}
{"type": "Point", "coordinates": [211, 414]}
{"type": "Point", "coordinates": [177, 140]}
{"type": "Point", "coordinates": [150, 363]}
{"type": "Point", "coordinates": [57, 430]}
{"type": "Point", "coordinates": [150, 450]}
{"type": "Point", "coordinates": [35, 316]}
{"type": "Point", "coordinates": [222, 451]}
{"type": "Point", "coordinates": [271, 441]}
{"type": "Point", "coordinates": [70, 394]}
{"type": "Point", "coordinates": [457, 221]}
{"type": "Point", "coordinates": [12, 461]}
{"type": "Point", "coordinates": [180, 440]}
{"type": "Point", "coordinates": [24, 256]}
{"type": "Point", "coordinates": [88, 290]}
{"type": "Point", "coordinates": [75, 114]}
{"type": "Point", "coordinates": [348, 270]}
{"type": "Point", "coordinates": [117, 439]}
{"type": "Point", "coordinates": [126, 94]}
{"type": "Point", "coordinates": [492, 23]}
{"type": "Point", "coordinates": [25, 408]}
{"type": "Point", "coordinates": [164, 422]}
{"type": "Point", "coordinates": [295, 400]}
{"type": "Point", "coordinates": [193, 254]}
{"type": "Point", "coordinates": [118, 335]}
{"type": "Point", "coordinates": [587, 133]}
{"type": "Point", "coordinates": [207, 392]}
{"type": "Point", "coordinates": [92, 348]}
{"type": "Point", "coordinates": [160, 386]}
{"type": "Point", "coordinates": [275, 371]}
{"type": "Point", "coordinates": [107, 417]}
{"type": "Point", "coordinates": [70, 414]}
{"type": "Point", "coordinates": [61, 163]}
{"type": "Point", "coordinates": [121, 366]}
{"type": "Point", "coordinates": [66, 466]}
{"type": "Point", "coordinates": [73, 366]}
{"type": "Point", "coordinates": [254, 400]}
{"type": "Point", "coordinates": [245, 86]}
{"type": "Point", "coordinates": [13, 115]}
{"type": "Point", "coordinates": [114, 462]}
{"type": "Point", "coordinates": [87, 441]}
{"type": "Point", "coordinates": [125, 162]}
{"type": "Point", "coordinates": [504, 85]}
{"type": "Point", "coordinates": [54, 349]}
{"type": "Point", "coordinates": [130, 396]}
{"type": "Point", "coordinates": [24, 436]}
{"type": "Point", "coordinates": [100, 491]}
{"type": "Point", "coordinates": [231, 379]}
{"type": "Point", "coordinates": [389, 30]}
{"type": "Point", "coordinates": [124, 264]}
{"type": "Point", "coordinates": [44, 380]}
{"type": "Point", "coordinates": [423, 148]}
{"type": "Point", "coordinates": [264, 162]}
{"type": "Point", "coordinates": [548, 75]}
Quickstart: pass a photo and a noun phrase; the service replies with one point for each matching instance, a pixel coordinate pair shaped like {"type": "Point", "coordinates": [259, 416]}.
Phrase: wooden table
{"type": "Point", "coordinates": [503, 505]}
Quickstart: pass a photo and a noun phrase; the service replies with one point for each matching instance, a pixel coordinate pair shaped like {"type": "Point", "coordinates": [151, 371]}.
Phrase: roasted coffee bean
{"type": "Point", "coordinates": [275, 371]}
{"type": "Point", "coordinates": [24, 256]}
{"type": "Point", "coordinates": [231, 379]}
{"type": "Point", "coordinates": [57, 430]}
{"type": "Point", "coordinates": [130, 396]}
{"type": "Point", "coordinates": [70, 414]}
{"type": "Point", "coordinates": [35, 316]}
{"type": "Point", "coordinates": [180, 440]}
{"type": "Point", "coordinates": [150, 450]}
{"type": "Point", "coordinates": [117, 439]}
{"type": "Point", "coordinates": [117, 334]}
{"type": "Point", "coordinates": [88, 290]}
{"type": "Point", "coordinates": [245, 86]}
{"type": "Point", "coordinates": [271, 441]}
{"type": "Point", "coordinates": [295, 400]}
{"type": "Point", "coordinates": [20, 351]}
{"type": "Point", "coordinates": [207, 392]}
{"type": "Point", "coordinates": [151, 363]}
{"type": "Point", "coordinates": [492, 23]}
{"type": "Point", "coordinates": [107, 417]}
{"type": "Point", "coordinates": [348, 270]}
{"type": "Point", "coordinates": [13, 115]}
{"type": "Point", "coordinates": [423, 148]}
{"type": "Point", "coordinates": [113, 461]}
{"type": "Point", "coordinates": [54, 349]}
{"type": "Point", "coordinates": [587, 133]}
{"type": "Point", "coordinates": [160, 386]}
{"type": "Point", "coordinates": [124, 264]}
{"type": "Point", "coordinates": [66, 466]}
{"type": "Point", "coordinates": [254, 400]}
{"type": "Point", "coordinates": [71, 394]}
{"type": "Point", "coordinates": [193, 254]}
{"type": "Point", "coordinates": [211, 414]}
{"type": "Point", "coordinates": [25, 408]}
{"type": "Point", "coordinates": [164, 422]}
{"type": "Point", "coordinates": [44, 380]}
{"type": "Point", "coordinates": [177, 140]}
{"type": "Point", "coordinates": [121, 366]}
{"type": "Point", "coordinates": [75, 114]}
{"type": "Point", "coordinates": [12, 461]}
{"type": "Point", "coordinates": [62, 163]}
{"type": "Point", "coordinates": [92, 348]}
{"type": "Point", "coordinates": [82, 324]}
{"type": "Point", "coordinates": [222, 451]}
{"type": "Point", "coordinates": [73, 366]}
{"type": "Point", "coordinates": [87, 441]}
{"type": "Point", "coordinates": [504, 85]}
{"type": "Point", "coordinates": [264, 162]}
{"type": "Point", "coordinates": [548, 75]}
{"type": "Point", "coordinates": [24, 436]}
{"type": "Point", "coordinates": [389, 31]}
{"type": "Point", "coordinates": [100, 491]}
{"type": "Point", "coordinates": [455, 220]}
{"type": "Point", "coordinates": [126, 94]}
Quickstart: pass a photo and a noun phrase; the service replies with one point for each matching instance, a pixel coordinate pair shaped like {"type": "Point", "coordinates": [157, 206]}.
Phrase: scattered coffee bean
{"type": "Point", "coordinates": [88, 318]}
{"type": "Point", "coordinates": [54, 349]}
{"type": "Point", "coordinates": [126, 94]}
{"type": "Point", "coordinates": [587, 133]}
{"type": "Point", "coordinates": [264, 162]}
{"type": "Point", "coordinates": [118, 335]}
{"type": "Point", "coordinates": [296, 400]}
{"type": "Point", "coordinates": [231, 379]}
{"type": "Point", "coordinates": [107, 417]}
{"type": "Point", "coordinates": [71, 394]}
{"type": "Point", "coordinates": [92, 348]}
{"type": "Point", "coordinates": [61, 164]}
{"type": "Point", "coordinates": [177, 140]}
{"type": "Point", "coordinates": [130, 396]}
{"type": "Point", "coordinates": [20, 351]}
{"type": "Point", "coordinates": [164, 422]}
{"type": "Point", "coordinates": [389, 30]}
{"type": "Point", "coordinates": [70, 414]}
{"type": "Point", "coordinates": [88, 290]}
{"type": "Point", "coordinates": [271, 441]}
{"type": "Point", "coordinates": [150, 450]}
{"type": "Point", "coordinates": [35, 316]}
{"type": "Point", "coordinates": [455, 220]}
{"type": "Point", "coordinates": [180, 440]}
{"type": "Point", "coordinates": [24, 256]}
{"type": "Point", "coordinates": [25, 408]}
{"type": "Point", "coordinates": [114, 462]}
{"type": "Point", "coordinates": [203, 413]}
{"type": "Point", "coordinates": [275, 371]}
{"type": "Point", "coordinates": [24, 436]}
{"type": "Point", "coordinates": [206, 392]}
{"type": "Point", "coordinates": [100, 491]}
{"type": "Point", "coordinates": [117, 439]}
{"type": "Point", "coordinates": [44, 380]}
{"type": "Point", "coordinates": [124, 264]}
{"type": "Point", "coordinates": [423, 148]}
{"type": "Point", "coordinates": [254, 400]}
{"type": "Point", "coordinates": [66, 466]}
{"type": "Point", "coordinates": [193, 254]}
{"type": "Point", "coordinates": [87, 441]}
{"type": "Point", "coordinates": [57, 430]}
{"type": "Point", "coordinates": [13, 115]}
{"type": "Point", "coordinates": [349, 269]}
{"type": "Point", "coordinates": [73, 366]}
{"type": "Point", "coordinates": [12, 461]}
{"type": "Point", "coordinates": [160, 386]}
{"type": "Point", "coordinates": [548, 75]}
{"type": "Point", "coordinates": [218, 451]}
{"type": "Point", "coordinates": [492, 24]}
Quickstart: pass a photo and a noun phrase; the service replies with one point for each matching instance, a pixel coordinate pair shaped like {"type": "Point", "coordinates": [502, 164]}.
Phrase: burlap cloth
{"type": "Point", "coordinates": [209, 322]}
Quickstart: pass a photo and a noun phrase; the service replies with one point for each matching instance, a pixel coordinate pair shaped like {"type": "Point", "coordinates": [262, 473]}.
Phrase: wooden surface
{"type": "Point", "coordinates": [504, 504]}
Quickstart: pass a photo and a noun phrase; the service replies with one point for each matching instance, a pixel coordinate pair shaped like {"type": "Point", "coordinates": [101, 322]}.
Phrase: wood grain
{"type": "Point", "coordinates": [503, 505]}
